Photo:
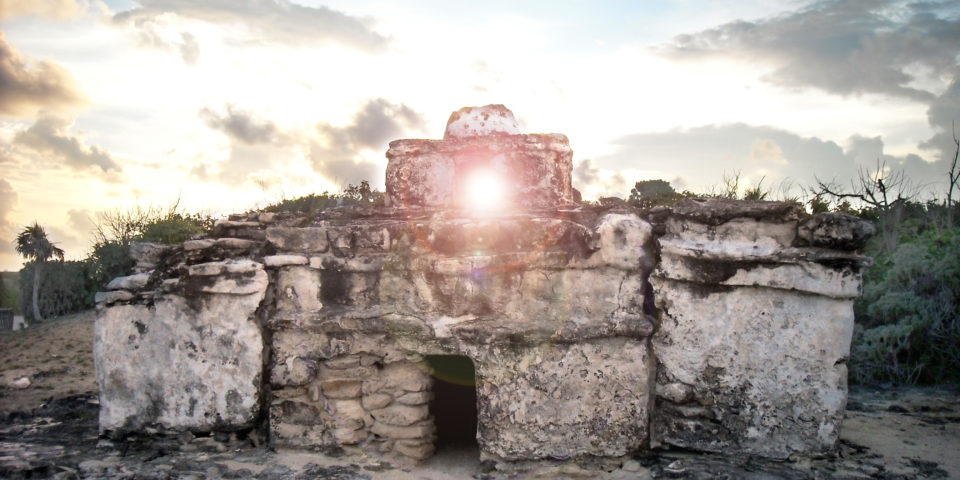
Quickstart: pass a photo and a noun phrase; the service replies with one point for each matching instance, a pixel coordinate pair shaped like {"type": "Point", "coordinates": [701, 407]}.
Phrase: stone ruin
{"type": "Point", "coordinates": [548, 328]}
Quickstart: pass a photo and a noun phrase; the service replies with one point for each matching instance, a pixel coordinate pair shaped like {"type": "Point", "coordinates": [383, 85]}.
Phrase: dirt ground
{"type": "Point", "coordinates": [48, 429]}
{"type": "Point", "coordinates": [56, 356]}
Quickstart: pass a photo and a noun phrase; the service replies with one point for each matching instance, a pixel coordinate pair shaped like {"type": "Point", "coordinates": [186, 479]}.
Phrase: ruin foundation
{"type": "Point", "coordinates": [593, 333]}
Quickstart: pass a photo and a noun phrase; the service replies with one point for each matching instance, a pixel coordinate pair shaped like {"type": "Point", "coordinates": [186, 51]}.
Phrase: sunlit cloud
{"type": "Point", "coordinates": [276, 21]}
{"type": "Point", "coordinates": [28, 86]}
{"type": "Point", "coordinates": [50, 136]}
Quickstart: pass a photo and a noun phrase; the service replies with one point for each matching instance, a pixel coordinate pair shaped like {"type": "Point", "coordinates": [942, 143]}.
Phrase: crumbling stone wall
{"type": "Point", "coordinates": [318, 327]}
{"type": "Point", "coordinates": [755, 323]}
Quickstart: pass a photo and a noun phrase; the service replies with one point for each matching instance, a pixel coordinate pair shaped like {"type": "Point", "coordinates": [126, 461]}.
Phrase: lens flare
{"type": "Point", "coordinates": [485, 191]}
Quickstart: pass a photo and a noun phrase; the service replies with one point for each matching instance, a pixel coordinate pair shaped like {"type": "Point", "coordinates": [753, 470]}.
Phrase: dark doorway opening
{"type": "Point", "coordinates": [454, 405]}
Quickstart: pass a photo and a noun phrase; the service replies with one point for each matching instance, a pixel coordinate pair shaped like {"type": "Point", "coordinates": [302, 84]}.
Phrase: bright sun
{"type": "Point", "coordinates": [485, 191]}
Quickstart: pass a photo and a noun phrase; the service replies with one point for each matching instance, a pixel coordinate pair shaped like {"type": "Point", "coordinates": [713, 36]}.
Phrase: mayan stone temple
{"type": "Point", "coordinates": [482, 300]}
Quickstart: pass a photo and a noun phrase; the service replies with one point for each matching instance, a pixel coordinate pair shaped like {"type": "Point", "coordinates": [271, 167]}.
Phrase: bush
{"type": "Point", "coordinates": [315, 203]}
{"type": "Point", "coordinates": [9, 293]}
{"type": "Point", "coordinates": [65, 287]}
{"type": "Point", "coordinates": [109, 260]}
{"type": "Point", "coordinates": [174, 228]}
{"type": "Point", "coordinates": [909, 315]}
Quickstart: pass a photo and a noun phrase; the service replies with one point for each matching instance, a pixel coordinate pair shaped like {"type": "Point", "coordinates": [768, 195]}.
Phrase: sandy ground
{"type": "Point", "coordinates": [56, 356]}
{"type": "Point", "coordinates": [906, 433]}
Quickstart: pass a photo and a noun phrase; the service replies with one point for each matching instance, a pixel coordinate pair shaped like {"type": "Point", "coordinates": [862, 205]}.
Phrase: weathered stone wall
{"type": "Point", "coordinates": [517, 295]}
{"type": "Point", "coordinates": [184, 356]}
{"type": "Point", "coordinates": [319, 326]}
{"type": "Point", "coordinates": [754, 331]}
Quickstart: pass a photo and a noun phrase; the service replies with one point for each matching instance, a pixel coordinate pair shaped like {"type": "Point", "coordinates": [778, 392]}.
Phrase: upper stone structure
{"type": "Point", "coordinates": [593, 335]}
{"type": "Point", "coordinates": [534, 169]}
{"type": "Point", "coordinates": [481, 121]}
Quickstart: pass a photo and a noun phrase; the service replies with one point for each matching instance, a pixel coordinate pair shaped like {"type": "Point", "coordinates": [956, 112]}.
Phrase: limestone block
{"type": "Point", "coordinates": [835, 230]}
{"type": "Point", "coordinates": [342, 362]}
{"type": "Point", "coordinates": [348, 413]}
{"type": "Point", "coordinates": [375, 401]}
{"type": "Point", "coordinates": [109, 298]}
{"type": "Point", "coordinates": [190, 245]}
{"type": "Point", "coordinates": [415, 398]}
{"type": "Point", "coordinates": [224, 267]}
{"type": "Point", "coordinates": [347, 436]}
{"type": "Point", "coordinates": [296, 412]}
{"type": "Point", "coordinates": [224, 224]}
{"type": "Point", "coordinates": [284, 260]}
{"type": "Point", "coordinates": [341, 388]}
{"type": "Point", "coordinates": [419, 430]}
{"type": "Point", "coordinates": [179, 367]}
{"type": "Point", "coordinates": [298, 239]}
{"type": "Point", "coordinates": [399, 377]}
{"type": "Point", "coordinates": [834, 274]}
{"type": "Point", "coordinates": [234, 277]}
{"type": "Point", "coordinates": [478, 121]}
{"type": "Point", "coordinates": [235, 243]}
{"type": "Point", "coordinates": [624, 242]}
{"type": "Point", "coordinates": [534, 170]}
{"type": "Point", "coordinates": [313, 437]}
{"type": "Point", "coordinates": [147, 255]}
{"type": "Point", "coordinates": [400, 415]}
{"type": "Point", "coordinates": [132, 282]}
{"type": "Point", "coordinates": [750, 370]}
{"type": "Point", "coordinates": [591, 398]}
{"type": "Point", "coordinates": [416, 450]}
{"type": "Point", "coordinates": [351, 288]}
{"type": "Point", "coordinates": [298, 289]}
{"type": "Point", "coordinates": [295, 371]}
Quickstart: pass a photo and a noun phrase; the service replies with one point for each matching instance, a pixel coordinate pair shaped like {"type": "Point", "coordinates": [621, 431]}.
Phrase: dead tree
{"type": "Point", "coordinates": [884, 190]}
{"type": "Point", "coordinates": [953, 175]}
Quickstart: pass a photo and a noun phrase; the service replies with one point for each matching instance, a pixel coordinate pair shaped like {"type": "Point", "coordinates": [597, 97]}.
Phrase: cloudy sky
{"type": "Point", "coordinates": [234, 104]}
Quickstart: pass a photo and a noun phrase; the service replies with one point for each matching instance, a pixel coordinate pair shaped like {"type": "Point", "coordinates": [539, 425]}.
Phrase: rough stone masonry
{"type": "Point", "coordinates": [714, 325]}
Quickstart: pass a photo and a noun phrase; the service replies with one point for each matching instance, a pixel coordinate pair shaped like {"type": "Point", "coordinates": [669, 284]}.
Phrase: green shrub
{"type": "Point", "coordinates": [109, 260]}
{"type": "Point", "coordinates": [174, 228]}
{"type": "Point", "coordinates": [909, 315]}
{"type": "Point", "coordinates": [315, 203]}
{"type": "Point", "coordinates": [65, 287]}
{"type": "Point", "coordinates": [9, 295]}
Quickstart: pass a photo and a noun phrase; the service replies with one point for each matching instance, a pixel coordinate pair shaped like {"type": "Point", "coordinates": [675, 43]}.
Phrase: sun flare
{"type": "Point", "coordinates": [485, 191]}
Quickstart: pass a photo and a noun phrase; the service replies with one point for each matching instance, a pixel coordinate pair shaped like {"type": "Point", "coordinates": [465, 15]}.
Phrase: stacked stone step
{"type": "Point", "coordinates": [358, 403]}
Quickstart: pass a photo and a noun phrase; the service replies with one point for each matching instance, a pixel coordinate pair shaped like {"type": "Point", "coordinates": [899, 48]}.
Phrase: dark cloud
{"type": "Point", "coordinates": [49, 136]}
{"type": "Point", "coordinates": [944, 117]}
{"type": "Point", "coordinates": [844, 47]}
{"type": "Point", "coordinates": [277, 21]}
{"type": "Point", "coordinates": [240, 125]}
{"type": "Point", "coordinates": [587, 176]}
{"type": "Point", "coordinates": [703, 155]}
{"type": "Point", "coordinates": [27, 87]}
{"type": "Point", "coordinates": [336, 154]}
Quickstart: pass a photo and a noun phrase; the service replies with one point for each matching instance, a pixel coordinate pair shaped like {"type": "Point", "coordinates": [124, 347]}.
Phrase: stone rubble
{"type": "Point", "coordinates": [316, 329]}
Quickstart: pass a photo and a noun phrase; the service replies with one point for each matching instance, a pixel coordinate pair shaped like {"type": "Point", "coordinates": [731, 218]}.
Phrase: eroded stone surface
{"type": "Point", "coordinates": [481, 121]}
{"type": "Point", "coordinates": [753, 331]}
{"type": "Point", "coordinates": [562, 401]}
{"type": "Point", "coordinates": [534, 170]}
{"type": "Point", "coordinates": [183, 364]}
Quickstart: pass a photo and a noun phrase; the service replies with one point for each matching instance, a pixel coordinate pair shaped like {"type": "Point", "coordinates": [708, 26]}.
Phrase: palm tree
{"type": "Point", "coordinates": [32, 244]}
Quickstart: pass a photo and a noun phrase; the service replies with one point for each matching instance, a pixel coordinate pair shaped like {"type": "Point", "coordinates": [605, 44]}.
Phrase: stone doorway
{"type": "Point", "coordinates": [454, 406]}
